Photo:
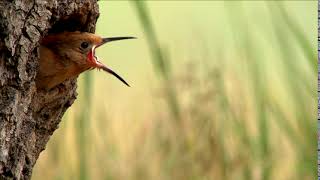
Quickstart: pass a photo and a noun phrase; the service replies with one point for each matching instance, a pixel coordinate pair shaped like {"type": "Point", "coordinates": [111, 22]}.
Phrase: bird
{"type": "Point", "coordinates": [65, 55]}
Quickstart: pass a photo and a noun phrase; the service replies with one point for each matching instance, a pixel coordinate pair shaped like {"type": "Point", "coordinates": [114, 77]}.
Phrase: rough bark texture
{"type": "Point", "coordinates": [28, 117]}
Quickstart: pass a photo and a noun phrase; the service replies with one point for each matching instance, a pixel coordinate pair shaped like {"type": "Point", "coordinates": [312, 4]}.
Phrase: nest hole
{"type": "Point", "coordinates": [71, 23]}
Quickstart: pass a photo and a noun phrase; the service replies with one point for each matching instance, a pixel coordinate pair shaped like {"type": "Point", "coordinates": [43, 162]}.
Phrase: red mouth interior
{"type": "Point", "coordinates": [93, 60]}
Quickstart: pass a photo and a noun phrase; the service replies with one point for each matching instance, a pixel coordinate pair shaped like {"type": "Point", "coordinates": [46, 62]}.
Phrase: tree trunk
{"type": "Point", "coordinates": [28, 117]}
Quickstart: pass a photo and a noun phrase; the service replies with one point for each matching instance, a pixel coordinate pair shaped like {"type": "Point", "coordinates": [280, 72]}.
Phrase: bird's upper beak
{"type": "Point", "coordinates": [96, 63]}
{"type": "Point", "coordinates": [106, 40]}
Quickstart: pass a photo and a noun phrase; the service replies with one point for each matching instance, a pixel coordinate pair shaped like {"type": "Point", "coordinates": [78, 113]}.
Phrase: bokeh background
{"type": "Point", "coordinates": [220, 90]}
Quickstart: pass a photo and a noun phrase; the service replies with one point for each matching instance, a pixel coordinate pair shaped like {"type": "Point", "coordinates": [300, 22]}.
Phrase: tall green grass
{"type": "Point", "coordinates": [243, 109]}
{"type": "Point", "coordinates": [160, 58]}
{"type": "Point", "coordinates": [83, 128]}
{"type": "Point", "coordinates": [259, 147]}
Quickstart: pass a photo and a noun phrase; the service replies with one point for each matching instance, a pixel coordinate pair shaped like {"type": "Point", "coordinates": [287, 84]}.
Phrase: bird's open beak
{"type": "Point", "coordinates": [96, 63]}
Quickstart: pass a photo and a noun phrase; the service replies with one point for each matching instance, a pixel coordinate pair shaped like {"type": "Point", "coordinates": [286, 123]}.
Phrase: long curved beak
{"type": "Point", "coordinates": [102, 66]}
{"type": "Point", "coordinates": [105, 68]}
{"type": "Point", "coordinates": [106, 40]}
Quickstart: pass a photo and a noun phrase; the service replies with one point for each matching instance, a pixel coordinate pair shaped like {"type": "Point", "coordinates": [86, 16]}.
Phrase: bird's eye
{"type": "Point", "coordinates": [84, 45]}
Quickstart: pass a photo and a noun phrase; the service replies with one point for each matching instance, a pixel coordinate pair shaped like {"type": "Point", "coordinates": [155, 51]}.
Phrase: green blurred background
{"type": "Point", "coordinates": [220, 90]}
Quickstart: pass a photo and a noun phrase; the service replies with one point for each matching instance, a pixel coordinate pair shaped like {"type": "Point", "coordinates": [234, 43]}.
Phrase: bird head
{"type": "Point", "coordinates": [79, 48]}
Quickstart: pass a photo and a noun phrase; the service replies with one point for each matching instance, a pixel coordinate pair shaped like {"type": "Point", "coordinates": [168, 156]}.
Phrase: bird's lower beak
{"type": "Point", "coordinates": [97, 64]}
{"type": "Point", "coordinates": [105, 68]}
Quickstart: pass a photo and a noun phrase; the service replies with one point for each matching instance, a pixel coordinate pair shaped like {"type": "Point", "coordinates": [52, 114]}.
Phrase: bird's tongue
{"type": "Point", "coordinates": [95, 63]}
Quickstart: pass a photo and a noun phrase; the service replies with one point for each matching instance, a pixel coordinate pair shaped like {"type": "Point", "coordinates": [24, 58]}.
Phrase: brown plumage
{"type": "Point", "coordinates": [66, 55]}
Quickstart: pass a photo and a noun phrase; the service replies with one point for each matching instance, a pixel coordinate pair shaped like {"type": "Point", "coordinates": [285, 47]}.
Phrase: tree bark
{"type": "Point", "coordinates": [29, 117]}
